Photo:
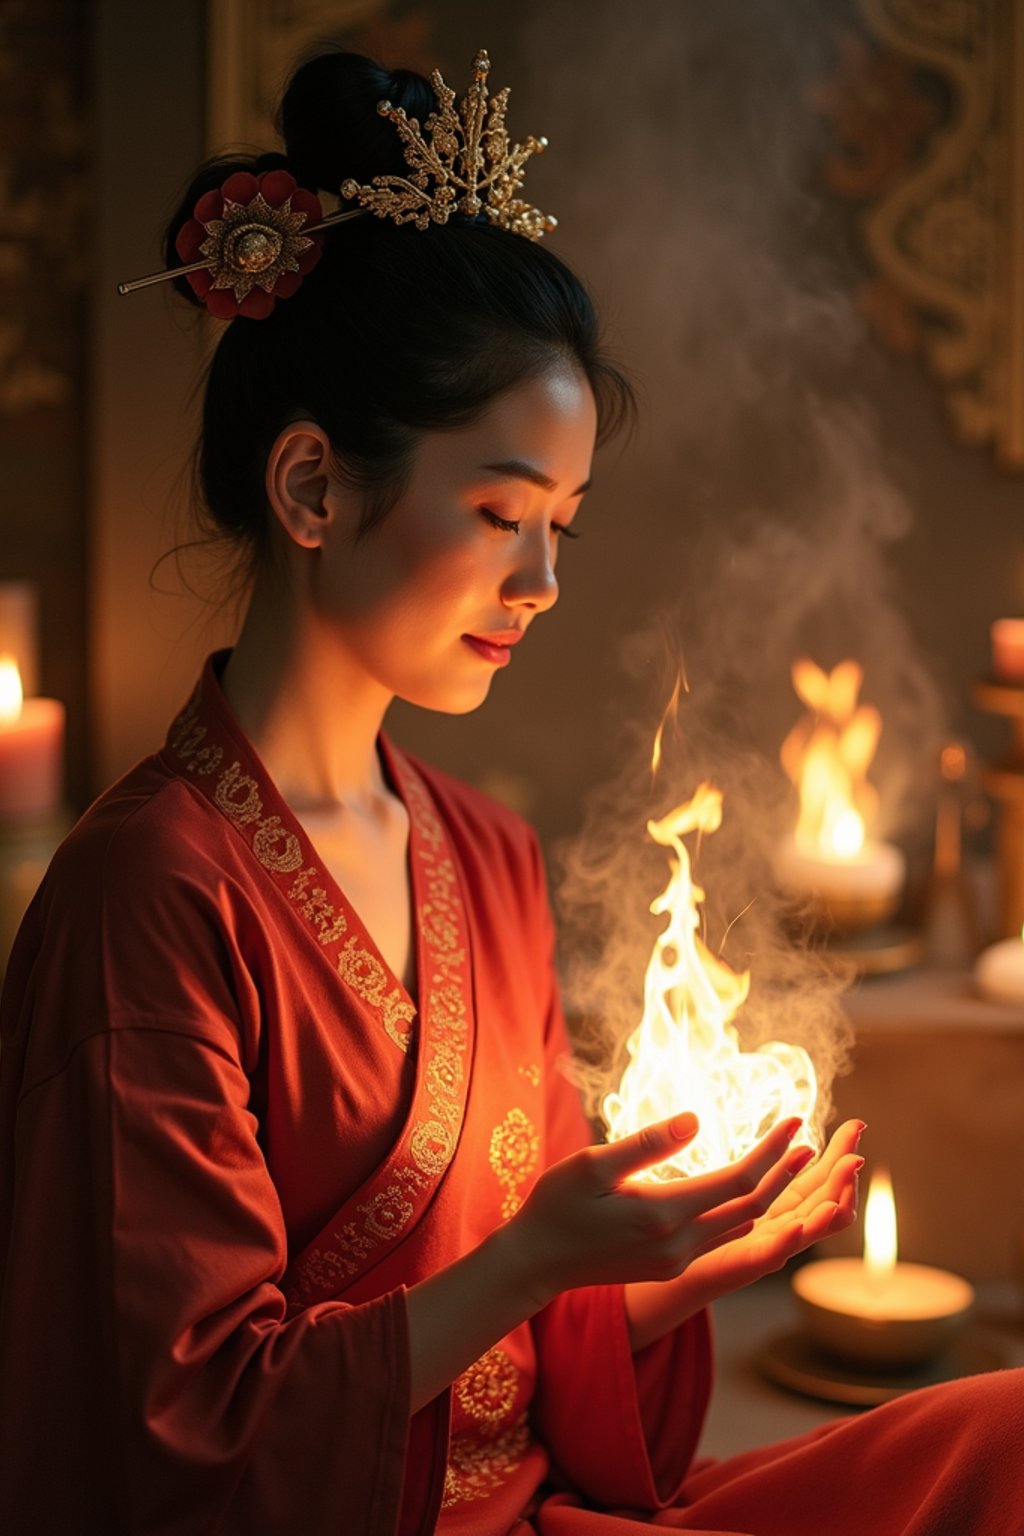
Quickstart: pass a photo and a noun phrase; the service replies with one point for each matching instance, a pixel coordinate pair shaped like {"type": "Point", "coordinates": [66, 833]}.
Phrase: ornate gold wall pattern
{"type": "Point", "coordinates": [946, 233]}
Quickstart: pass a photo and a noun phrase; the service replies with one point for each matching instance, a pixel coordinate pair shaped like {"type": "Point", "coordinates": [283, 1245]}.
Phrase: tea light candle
{"type": "Point", "coordinates": [31, 751]}
{"type": "Point", "coordinates": [876, 1311]}
{"type": "Point", "coordinates": [999, 971]}
{"type": "Point", "coordinates": [1007, 637]}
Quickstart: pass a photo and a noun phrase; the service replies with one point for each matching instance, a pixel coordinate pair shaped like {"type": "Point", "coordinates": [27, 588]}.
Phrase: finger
{"type": "Point", "coordinates": [708, 1190]}
{"type": "Point", "coordinates": [842, 1143]}
{"type": "Point", "coordinates": [750, 1204]}
{"type": "Point", "coordinates": [819, 1223]}
{"type": "Point", "coordinates": [816, 1182]}
{"type": "Point", "coordinates": [654, 1144]}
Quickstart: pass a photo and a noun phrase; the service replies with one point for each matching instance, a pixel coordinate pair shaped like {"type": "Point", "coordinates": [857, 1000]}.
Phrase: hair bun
{"type": "Point", "coordinates": [329, 121]}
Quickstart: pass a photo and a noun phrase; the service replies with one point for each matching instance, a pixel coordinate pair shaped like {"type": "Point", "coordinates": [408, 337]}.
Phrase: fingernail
{"type": "Point", "coordinates": [683, 1127]}
{"type": "Point", "coordinates": [861, 1128]}
{"type": "Point", "coordinates": [858, 1164]}
{"type": "Point", "coordinates": [792, 1126]}
{"type": "Point", "coordinates": [799, 1159]}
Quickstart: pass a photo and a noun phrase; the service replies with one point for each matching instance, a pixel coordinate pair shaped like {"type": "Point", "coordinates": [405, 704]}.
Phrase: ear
{"type": "Point", "coordinates": [297, 481]}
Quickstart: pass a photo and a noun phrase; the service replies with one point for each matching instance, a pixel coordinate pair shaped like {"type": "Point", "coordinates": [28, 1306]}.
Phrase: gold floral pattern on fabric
{"type": "Point", "coordinates": [388, 1212]}
{"type": "Point", "coordinates": [366, 976]}
{"type": "Point", "coordinates": [431, 1146]}
{"type": "Point", "coordinates": [432, 1135]}
{"type": "Point", "coordinates": [378, 1214]}
{"type": "Point", "coordinates": [238, 796]}
{"type": "Point", "coordinates": [514, 1155]}
{"type": "Point", "coordinates": [531, 1071]}
{"type": "Point", "coordinates": [187, 737]}
{"type": "Point", "coordinates": [312, 901]}
{"type": "Point", "coordinates": [276, 847]}
{"type": "Point", "coordinates": [487, 1391]}
{"type": "Point", "coordinates": [477, 1467]}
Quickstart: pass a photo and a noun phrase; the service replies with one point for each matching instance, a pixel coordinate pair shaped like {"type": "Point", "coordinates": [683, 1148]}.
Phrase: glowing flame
{"type": "Point", "coordinates": [671, 713]}
{"type": "Point", "coordinates": [685, 1053]}
{"type": "Point", "coordinates": [880, 1240]}
{"type": "Point", "coordinates": [10, 689]}
{"type": "Point", "coordinates": [827, 755]}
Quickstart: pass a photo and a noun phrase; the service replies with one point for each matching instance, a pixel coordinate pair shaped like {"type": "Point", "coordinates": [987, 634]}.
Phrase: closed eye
{"type": "Point", "coordinates": [512, 525]}
{"type": "Point", "coordinates": [506, 524]}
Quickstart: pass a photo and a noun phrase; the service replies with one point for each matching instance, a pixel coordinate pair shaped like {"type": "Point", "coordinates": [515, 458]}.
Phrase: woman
{"type": "Point", "coordinates": [302, 1227]}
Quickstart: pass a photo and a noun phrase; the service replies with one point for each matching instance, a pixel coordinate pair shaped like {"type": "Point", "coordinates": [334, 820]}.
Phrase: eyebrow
{"type": "Point", "coordinates": [518, 469]}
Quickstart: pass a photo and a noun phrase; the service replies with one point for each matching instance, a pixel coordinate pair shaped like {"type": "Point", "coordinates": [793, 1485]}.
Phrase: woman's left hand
{"type": "Point", "coordinates": [820, 1201]}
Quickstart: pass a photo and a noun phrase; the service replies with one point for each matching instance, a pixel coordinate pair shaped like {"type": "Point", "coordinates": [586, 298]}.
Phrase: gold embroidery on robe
{"type": "Point", "coordinates": [514, 1155]}
{"type": "Point", "coordinates": [365, 975]}
{"type": "Point", "coordinates": [276, 848]}
{"type": "Point", "coordinates": [482, 1457]}
{"type": "Point", "coordinates": [487, 1391]}
{"type": "Point", "coordinates": [330, 924]}
{"type": "Point", "coordinates": [238, 796]}
{"type": "Point", "coordinates": [384, 1214]}
{"type": "Point", "coordinates": [477, 1468]}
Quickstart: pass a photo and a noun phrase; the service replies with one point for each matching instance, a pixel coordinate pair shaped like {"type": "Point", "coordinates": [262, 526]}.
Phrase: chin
{"type": "Point", "coordinates": [454, 701]}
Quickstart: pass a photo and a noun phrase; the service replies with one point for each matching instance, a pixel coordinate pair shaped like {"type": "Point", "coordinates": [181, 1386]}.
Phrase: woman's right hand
{"type": "Point", "coordinates": [588, 1222]}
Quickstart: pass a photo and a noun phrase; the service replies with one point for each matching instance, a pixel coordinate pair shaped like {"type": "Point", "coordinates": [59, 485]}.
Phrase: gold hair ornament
{"type": "Point", "coordinates": [463, 165]}
{"type": "Point", "coordinates": [247, 244]}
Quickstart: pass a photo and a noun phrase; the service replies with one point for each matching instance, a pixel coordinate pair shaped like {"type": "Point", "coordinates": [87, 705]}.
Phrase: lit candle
{"type": "Point", "coordinates": [999, 971]}
{"type": "Point", "coordinates": [827, 755]}
{"type": "Point", "coordinates": [873, 873]}
{"type": "Point", "coordinates": [31, 751]}
{"type": "Point", "coordinates": [877, 1311]}
{"type": "Point", "coordinates": [1007, 637]}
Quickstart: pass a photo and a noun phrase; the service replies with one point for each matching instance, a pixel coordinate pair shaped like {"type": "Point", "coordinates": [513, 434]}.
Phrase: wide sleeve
{"type": "Point", "coordinates": [621, 1428]}
{"type": "Point", "coordinates": [150, 1377]}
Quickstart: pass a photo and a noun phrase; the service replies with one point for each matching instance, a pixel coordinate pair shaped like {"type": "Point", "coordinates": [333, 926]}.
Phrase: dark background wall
{"type": "Point", "coordinates": [792, 484]}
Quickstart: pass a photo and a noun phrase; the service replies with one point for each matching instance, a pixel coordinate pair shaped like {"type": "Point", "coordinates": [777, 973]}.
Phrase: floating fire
{"type": "Point", "coordinates": [685, 1054]}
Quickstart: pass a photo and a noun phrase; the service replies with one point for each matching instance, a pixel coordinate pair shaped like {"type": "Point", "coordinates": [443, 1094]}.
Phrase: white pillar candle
{"type": "Point", "coordinates": [31, 752]}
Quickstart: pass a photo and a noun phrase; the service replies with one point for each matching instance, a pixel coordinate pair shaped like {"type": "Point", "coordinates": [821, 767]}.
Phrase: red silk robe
{"type": "Point", "coordinates": [231, 1141]}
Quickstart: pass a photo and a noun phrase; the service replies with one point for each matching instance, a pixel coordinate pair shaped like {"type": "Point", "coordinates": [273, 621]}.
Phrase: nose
{"type": "Point", "coordinates": [531, 583]}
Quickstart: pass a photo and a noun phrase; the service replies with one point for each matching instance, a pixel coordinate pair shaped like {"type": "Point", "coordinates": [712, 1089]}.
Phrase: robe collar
{"type": "Point", "coordinates": [207, 746]}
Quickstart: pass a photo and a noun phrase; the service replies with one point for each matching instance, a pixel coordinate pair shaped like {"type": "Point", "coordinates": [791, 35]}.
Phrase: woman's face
{"type": "Point", "coordinates": [431, 601]}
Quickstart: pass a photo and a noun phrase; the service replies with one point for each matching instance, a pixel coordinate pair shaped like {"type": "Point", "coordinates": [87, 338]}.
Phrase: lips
{"type": "Point", "coordinates": [495, 647]}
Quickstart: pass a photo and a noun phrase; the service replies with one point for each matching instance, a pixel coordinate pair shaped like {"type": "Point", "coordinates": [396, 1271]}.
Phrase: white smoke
{"type": "Point", "coordinates": [687, 151]}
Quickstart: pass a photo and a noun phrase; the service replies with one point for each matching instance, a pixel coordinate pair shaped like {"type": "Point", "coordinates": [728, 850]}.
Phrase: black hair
{"type": "Point", "coordinates": [395, 332]}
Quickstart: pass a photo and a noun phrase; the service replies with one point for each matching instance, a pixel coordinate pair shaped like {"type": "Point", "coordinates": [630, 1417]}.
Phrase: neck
{"type": "Point", "coordinates": [308, 707]}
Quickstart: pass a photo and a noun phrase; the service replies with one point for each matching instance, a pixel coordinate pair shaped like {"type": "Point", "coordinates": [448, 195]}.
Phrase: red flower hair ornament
{"type": "Point", "coordinates": [250, 243]}
{"type": "Point", "coordinates": [245, 243]}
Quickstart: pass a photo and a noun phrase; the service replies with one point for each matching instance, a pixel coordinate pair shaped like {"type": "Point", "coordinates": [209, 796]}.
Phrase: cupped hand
{"type": "Point", "coordinates": [819, 1201]}
{"type": "Point", "coordinates": [588, 1221]}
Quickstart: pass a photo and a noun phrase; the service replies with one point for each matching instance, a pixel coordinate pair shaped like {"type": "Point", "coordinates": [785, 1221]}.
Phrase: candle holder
{"type": "Point", "coordinates": [895, 1323]}
{"type": "Point", "coordinates": [851, 908]}
{"type": "Point", "coordinates": [1004, 781]}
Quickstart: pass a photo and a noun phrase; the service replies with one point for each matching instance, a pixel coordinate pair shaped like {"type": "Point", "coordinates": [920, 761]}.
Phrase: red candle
{"type": "Point", "coordinates": [31, 751]}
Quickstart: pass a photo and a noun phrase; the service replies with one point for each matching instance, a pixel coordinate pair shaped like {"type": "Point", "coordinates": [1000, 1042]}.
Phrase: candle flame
{"type": "Point", "coordinates": [685, 1053]}
{"type": "Point", "coordinates": [11, 694]}
{"type": "Point", "coordinates": [827, 755]}
{"type": "Point", "coordinates": [880, 1236]}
